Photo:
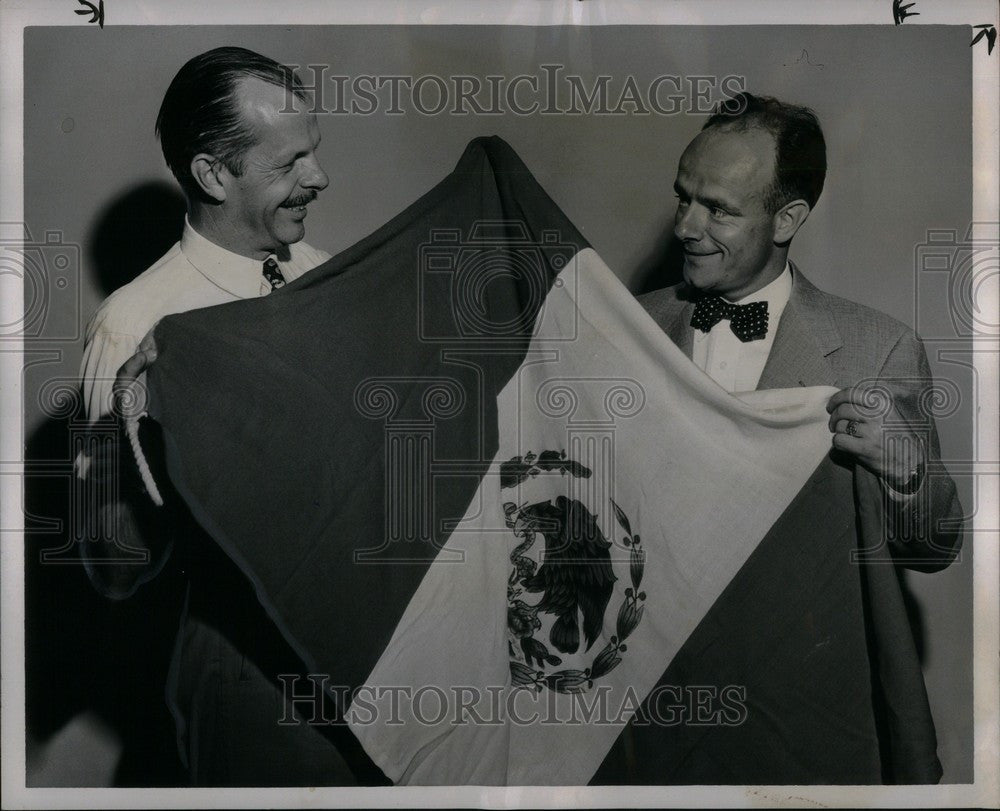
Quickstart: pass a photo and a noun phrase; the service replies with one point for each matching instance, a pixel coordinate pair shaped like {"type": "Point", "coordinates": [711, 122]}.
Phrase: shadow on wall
{"type": "Point", "coordinates": [86, 655]}
{"type": "Point", "coordinates": [135, 230]}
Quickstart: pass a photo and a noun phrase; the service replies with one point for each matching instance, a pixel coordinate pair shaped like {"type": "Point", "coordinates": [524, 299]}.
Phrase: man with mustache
{"type": "Point", "coordinates": [237, 134]}
{"type": "Point", "coordinates": [750, 319]}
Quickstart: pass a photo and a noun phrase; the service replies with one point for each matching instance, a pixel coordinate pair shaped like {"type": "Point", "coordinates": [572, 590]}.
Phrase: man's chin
{"type": "Point", "coordinates": [694, 277]}
{"type": "Point", "coordinates": [291, 233]}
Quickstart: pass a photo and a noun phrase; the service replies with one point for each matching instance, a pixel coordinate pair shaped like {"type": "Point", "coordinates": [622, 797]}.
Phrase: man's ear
{"type": "Point", "coordinates": [789, 219]}
{"type": "Point", "coordinates": [207, 171]}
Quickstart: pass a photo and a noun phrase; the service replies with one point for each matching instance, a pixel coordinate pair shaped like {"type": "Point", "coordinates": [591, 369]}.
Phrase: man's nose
{"type": "Point", "coordinates": [315, 177]}
{"type": "Point", "coordinates": [689, 222]}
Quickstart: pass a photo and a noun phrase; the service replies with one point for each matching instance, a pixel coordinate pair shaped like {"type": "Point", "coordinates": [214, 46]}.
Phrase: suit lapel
{"type": "Point", "coordinates": [804, 342]}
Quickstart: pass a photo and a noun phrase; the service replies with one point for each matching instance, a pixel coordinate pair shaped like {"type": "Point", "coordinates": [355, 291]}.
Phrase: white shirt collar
{"type": "Point", "coordinates": [239, 275]}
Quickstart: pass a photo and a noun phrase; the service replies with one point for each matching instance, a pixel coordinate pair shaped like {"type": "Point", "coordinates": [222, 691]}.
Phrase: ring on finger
{"type": "Point", "coordinates": [852, 428]}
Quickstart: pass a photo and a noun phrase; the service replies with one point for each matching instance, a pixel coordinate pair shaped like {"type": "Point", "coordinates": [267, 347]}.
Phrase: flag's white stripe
{"type": "Point", "coordinates": [702, 475]}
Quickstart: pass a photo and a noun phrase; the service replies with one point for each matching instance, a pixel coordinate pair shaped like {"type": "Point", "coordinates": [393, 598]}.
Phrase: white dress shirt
{"type": "Point", "coordinates": [733, 364]}
{"type": "Point", "coordinates": [194, 273]}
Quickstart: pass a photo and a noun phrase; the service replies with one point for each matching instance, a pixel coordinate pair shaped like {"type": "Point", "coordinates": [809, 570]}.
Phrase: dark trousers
{"type": "Point", "coordinates": [235, 724]}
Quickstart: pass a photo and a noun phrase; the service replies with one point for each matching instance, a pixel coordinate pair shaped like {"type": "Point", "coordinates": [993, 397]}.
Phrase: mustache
{"type": "Point", "coordinates": [301, 200]}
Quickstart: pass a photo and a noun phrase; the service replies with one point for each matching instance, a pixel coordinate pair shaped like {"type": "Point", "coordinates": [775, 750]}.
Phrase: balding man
{"type": "Point", "coordinates": [750, 319]}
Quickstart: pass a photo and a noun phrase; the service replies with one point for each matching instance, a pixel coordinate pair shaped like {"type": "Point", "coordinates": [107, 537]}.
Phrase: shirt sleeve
{"type": "Point", "coordinates": [103, 355]}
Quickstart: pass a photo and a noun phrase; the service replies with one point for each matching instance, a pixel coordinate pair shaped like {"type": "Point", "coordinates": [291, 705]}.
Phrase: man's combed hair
{"type": "Point", "coordinates": [800, 149]}
{"type": "Point", "coordinates": [201, 109]}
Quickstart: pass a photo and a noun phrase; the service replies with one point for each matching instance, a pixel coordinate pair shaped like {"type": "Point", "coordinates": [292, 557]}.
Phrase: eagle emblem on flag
{"type": "Point", "coordinates": [559, 590]}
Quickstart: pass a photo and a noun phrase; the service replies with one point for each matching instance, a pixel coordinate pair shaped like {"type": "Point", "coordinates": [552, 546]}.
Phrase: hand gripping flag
{"type": "Point", "coordinates": [473, 483]}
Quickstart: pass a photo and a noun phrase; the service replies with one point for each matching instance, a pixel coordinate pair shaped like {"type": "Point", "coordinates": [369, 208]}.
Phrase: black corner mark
{"type": "Point", "coordinates": [96, 12]}
{"type": "Point", "coordinates": [900, 13]}
{"type": "Point", "coordinates": [989, 31]}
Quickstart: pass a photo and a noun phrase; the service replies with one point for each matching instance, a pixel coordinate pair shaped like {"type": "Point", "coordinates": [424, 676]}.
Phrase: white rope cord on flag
{"type": "Point", "coordinates": [130, 396]}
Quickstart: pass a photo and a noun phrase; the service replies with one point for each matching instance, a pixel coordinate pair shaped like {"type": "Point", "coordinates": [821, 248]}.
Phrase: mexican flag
{"type": "Point", "coordinates": [479, 489]}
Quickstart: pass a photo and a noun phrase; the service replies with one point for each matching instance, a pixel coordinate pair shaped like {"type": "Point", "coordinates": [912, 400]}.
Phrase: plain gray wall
{"type": "Point", "coordinates": [895, 104]}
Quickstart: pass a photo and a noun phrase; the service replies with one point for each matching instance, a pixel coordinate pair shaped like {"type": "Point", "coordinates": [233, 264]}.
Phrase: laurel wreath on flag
{"type": "Point", "coordinates": [574, 680]}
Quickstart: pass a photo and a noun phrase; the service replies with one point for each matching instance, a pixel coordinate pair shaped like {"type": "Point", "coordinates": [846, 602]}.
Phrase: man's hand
{"type": "Point", "coordinates": [129, 390]}
{"type": "Point", "coordinates": [857, 420]}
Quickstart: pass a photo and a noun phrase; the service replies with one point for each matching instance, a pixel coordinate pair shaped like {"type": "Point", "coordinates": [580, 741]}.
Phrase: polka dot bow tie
{"type": "Point", "coordinates": [747, 321]}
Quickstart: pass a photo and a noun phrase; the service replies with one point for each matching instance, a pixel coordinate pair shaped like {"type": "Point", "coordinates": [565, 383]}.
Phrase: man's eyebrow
{"type": "Point", "coordinates": [725, 205]}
